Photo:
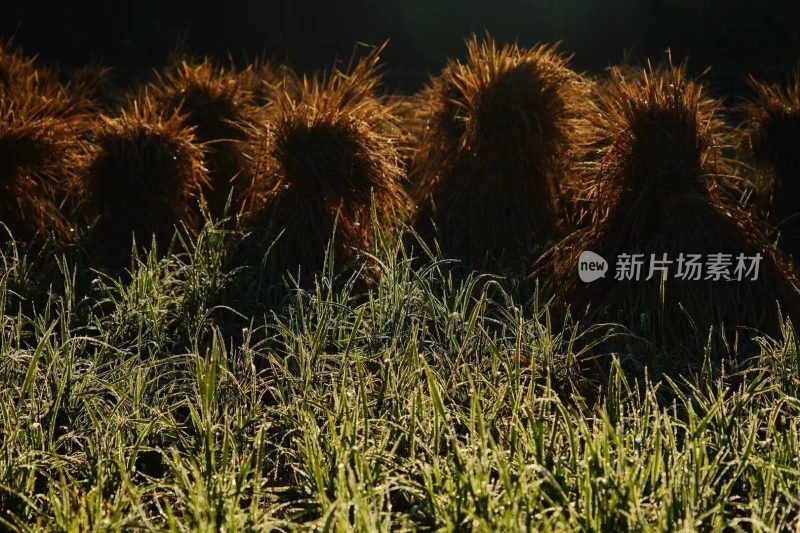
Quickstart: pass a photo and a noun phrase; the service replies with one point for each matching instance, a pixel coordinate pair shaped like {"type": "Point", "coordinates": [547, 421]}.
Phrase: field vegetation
{"type": "Point", "coordinates": [251, 299]}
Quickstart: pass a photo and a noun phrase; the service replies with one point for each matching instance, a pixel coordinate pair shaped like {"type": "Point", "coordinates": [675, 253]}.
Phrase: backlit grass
{"type": "Point", "coordinates": [191, 396]}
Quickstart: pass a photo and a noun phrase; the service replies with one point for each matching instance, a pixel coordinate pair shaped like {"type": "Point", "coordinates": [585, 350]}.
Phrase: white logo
{"type": "Point", "coordinates": [591, 266]}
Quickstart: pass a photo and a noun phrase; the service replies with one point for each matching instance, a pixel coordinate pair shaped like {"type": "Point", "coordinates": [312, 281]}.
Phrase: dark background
{"type": "Point", "coordinates": [733, 37]}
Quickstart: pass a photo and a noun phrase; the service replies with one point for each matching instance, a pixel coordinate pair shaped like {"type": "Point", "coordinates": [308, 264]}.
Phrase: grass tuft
{"type": "Point", "coordinates": [142, 178]}
{"type": "Point", "coordinates": [219, 106]}
{"type": "Point", "coordinates": [659, 186]}
{"type": "Point", "coordinates": [38, 157]}
{"type": "Point", "coordinates": [772, 134]}
{"type": "Point", "coordinates": [500, 131]}
{"type": "Point", "coordinates": [324, 162]}
{"type": "Point", "coordinates": [20, 74]}
{"type": "Point", "coordinates": [96, 85]}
